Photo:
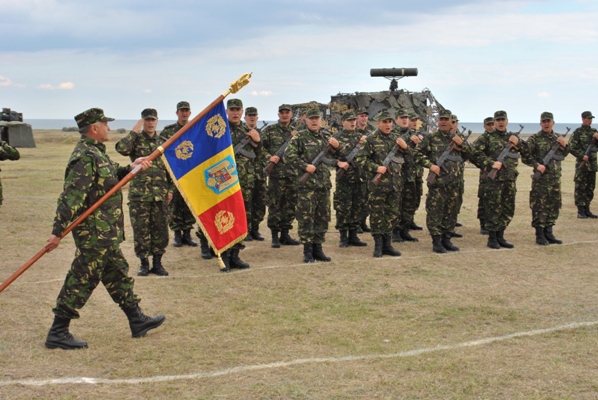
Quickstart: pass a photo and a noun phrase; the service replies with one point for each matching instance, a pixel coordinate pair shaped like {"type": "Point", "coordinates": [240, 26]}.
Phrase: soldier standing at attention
{"type": "Point", "coordinates": [282, 182]}
{"type": "Point", "coordinates": [545, 196]}
{"type": "Point", "coordinates": [488, 127]}
{"type": "Point", "coordinates": [149, 194]}
{"type": "Point", "coordinates": [313, 198]}
{"type": "Point", "coordinates": [585, 165]}
{"type": "Point", "coordinates": [499, 202]}
{"type": "Point", "coordinates": [181, 218]}
{"type": "Point", "coordinates": [89, 175]}
{"type": "Point", "coordinates": [385, 198]}
{"type": "Point", "coordinates": [348, 198]}
{"type": "Point", "coordinates": [419, 182]}
{"type": "Point", "coordinates": [364, 129]}
{"type": "Point", "coordinates": [7, 152]}
{"type": "Point", "coordinates": [258, 200]}
{"type": "Point", "coordinates": [455, 129]}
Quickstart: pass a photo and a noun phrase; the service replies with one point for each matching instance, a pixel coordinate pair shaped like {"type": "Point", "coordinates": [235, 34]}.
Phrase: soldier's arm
{"type": "Point", "coordinates": [478, 156]}
{"type": "Point", "coordinates": [420, 154]}
{"type": "Point", "coordinates": [292, 154]}
{"type": "Point", "coordinates": [529, 158]}
{"type": "Point", "coordinates": [126, 145]}
{"type": "Point", "coordinates": [366, 157]}
{"type": "Point", "coordinates": [7, 152]}
{"type": "Point", "coordinates": [575, 145]}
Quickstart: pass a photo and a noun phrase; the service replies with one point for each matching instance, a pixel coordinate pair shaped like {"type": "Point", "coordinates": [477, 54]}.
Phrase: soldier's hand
{"type": "Point", "coordinates": [435, 169]}
{"type": "Point", "coordinates": [401, 143]}
{"type": "Point", "coordinates": [457, 139]}
{"type": "Point", "coordinates": [342, 164]}
{"type": "Point", "coordinates": [255, 135]}
{"type": "Point", "coordinates": [275, 159]}
{"type": "Point", "coordinates": [53, 243]}
{"type": "Point", "coordinates": [497, 165]}
{"type": "Point", "coordinates": [514, 140]}
{"type": "Point", "coordinates": [586, 158]}
{"type": "Point", "coordinates": [363, 137]}
{"type": "Point", "coordinates": [138, 126]}
{"type": "Point", "coordinates": [541, 168]}
{"type": "Point", "coordinates": [381, 170]}
{"type": "Point", "coordinates": [333, 142]}
{"type": "Point", "coordinates": [293, 132]}
{"type": "Point", "coordinates": [415, 139]}
{"type": "Point", "coordinates": [169, 197]}
{"type": "Point", "coordinates": [143, 162]}
{"type": "Point", "coordinates": [595, 136]}
{"type": "Point", "coordinates": [561, 141]}
{"type": "Point", "coordinates": [310, 168]}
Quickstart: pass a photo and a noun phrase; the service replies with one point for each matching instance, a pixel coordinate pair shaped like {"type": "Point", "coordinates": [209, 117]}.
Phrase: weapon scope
{"type": "Point", "coordinates": [393, 74]}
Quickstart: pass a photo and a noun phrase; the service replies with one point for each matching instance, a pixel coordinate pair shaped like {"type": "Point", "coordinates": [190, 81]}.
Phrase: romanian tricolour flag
{"type": "Point", "coordinates": [203, 167]}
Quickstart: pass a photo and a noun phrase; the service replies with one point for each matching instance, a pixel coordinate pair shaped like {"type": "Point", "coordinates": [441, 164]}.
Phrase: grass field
{"type": "Point", "coordinates": [479, 323]}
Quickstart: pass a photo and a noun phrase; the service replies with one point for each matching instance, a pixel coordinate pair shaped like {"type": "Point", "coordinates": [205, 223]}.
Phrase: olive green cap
{"type": "Point", "coordinates": [349, 115]}
{"type": "Point", "coordinates": [454, 118]}
{"type": "Point", "coordinates": [384, 115]}
{"type": "Point", "coordinates": [362, 110]}
{"type": "Point", "coordinates": [285, 107]}
{"type": "Point", "coordinates": [234, 103]}
{"type": "Point", "coordinates": [445, 114]}
{"type": "Point", "coordinates": [402, 113]}
{"type": "Point", "coordinates": [251, 111]}
{"type": "Point", "coordinates": [546, 115]}
{"type": "Point", "coordinates": [313, 112]}
{"type": "Point", "coordinates": [488, 120]}
{"type": "Point", "coordinates": [183, 105]}
{"type": "Point", "coordinates": [149, 113]}
{"type": "Point", "coordinates": [500, 114]}
{"type": "Point", "coordinates": [90, 117]}
{"type": "Point", "coordinates": [587, 114]}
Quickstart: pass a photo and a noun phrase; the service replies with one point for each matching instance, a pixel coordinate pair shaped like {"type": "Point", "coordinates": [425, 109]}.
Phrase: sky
{"type": "Point", "coordinates": [60, 57]}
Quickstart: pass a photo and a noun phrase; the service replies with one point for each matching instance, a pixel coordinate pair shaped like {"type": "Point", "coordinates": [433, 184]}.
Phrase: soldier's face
{"type": "Point", "coordinates": [362, 119]}
{"type": "Point", "coordinates": [403, 122]}
{"type": "Point", "coordinates": [251, 120]}
{"type": "Point", "coordinates": [99, 131]}
{"type": "Point", "coordinates": [234, 115]}
{"type": "Point", "coordinates": [285, 116]}
{"type": "Point", "coordinates": [586, 121]}
{"type": "Point", "coordinates": [349, 124]}
{"type": "Point", "coordinates": [313, 123]}
{"type": "Point", "coordinates": [501, 124]}
{"type": "Point", "coordinates": [547, 125]}
{"type": "Point", "coordinates": [149, 125]}
{"type": "Point", "coordinates": [489, 127]}
{"type": "Point", "coordinates": [413, 123]}
{"type": "Point", "coordinates": [183, 116]}
{"type": "Point", "coordinates": [385, 126]}
{"type": "Point", "coordinates": [444, 124]}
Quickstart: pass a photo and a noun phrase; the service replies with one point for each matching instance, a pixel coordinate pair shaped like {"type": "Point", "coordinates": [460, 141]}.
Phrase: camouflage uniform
{"type": "Point", "coordinates": [411, 196]}
{"type": "Point", "coordinates": [259, 200]}
{"type": "Point", "coordinates": [366, 180]}
{"type": "Point", "coordinates": [585, 179]}
{"type": "Point", "coordinates": [7, 152]}
{"type": "Point", "coordinates": [148, 195]}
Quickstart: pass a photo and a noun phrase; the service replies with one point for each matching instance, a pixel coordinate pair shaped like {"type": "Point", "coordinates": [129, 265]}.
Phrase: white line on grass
{"type": "Point", "coordinates": [284, 364]}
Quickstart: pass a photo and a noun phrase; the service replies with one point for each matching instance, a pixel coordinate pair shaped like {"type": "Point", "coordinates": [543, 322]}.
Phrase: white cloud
{"type": "Point", "coordinates": [61, 86]}
{"type": "Point", "coordinates": [543, 95]}
{"type": "Point", "coordinates": [147, 91]}
{"type": "Point", "coordinates": [261, 93]}
{"type": "Point", "coordinates": [4, 81]}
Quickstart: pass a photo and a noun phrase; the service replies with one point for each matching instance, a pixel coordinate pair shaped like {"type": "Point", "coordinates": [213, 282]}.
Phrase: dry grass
{"type": "Point", "coordinates": [283, 310]}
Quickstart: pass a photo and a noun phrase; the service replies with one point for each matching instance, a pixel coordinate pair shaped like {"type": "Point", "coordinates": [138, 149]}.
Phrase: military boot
{"type": "Point", "coordinates": [248, 238]}
{"type": "Point", "coordinates": [354, 239]}
{"type": "Point", "coordinates": [144, 268]}
{"type": "Point", "coordinates": [178, 239]}
{"type": "Point", "coordinates": [415, 227]}
{"type": "Point", "coordinates": [458, 224]}
{"type": "Point", "coordinates": [500, 238]}
{"type": "Point", "coordinates": [446, 242]}
{"type": "Point", "coordinates": [581, 212]}
{"type": "Point", "coordinates": [286, 239]}
{"type": "Point", "coordinates": [378, 244]}
{"type": "Point", "coordinates": [396, 236]}
{"type": "Point", "coordinates": [140, 323]}
{"type": "Point", "coordinates": [437, 246]}
{"type": "Point", "coordinates": [275, 240]}
{"type": "Point", "coordinates": [387, 248]}
{"type": "Point", "coordinates": [308, 256]}
{"type": "Point", "coordinates": [492, 242]}
{"type": "Point", "coordinates": [406, 236]}
{"type": "Point", "coordinates": [550, 237]}
{"type": "Point", "coordinates": [60, 337]}
{"type": "Point", "coordinates": [364, 226]}
{"type": "Point", "coordinates": [206, 251]}
{"type": "Point", "coordinates": [157, 267]}
{"type": "Point", "coordinates": [256, 235]}
{"type": "Point", "coordinates": [483, 231]}
{"type": "Point", "coordinates": [589, 213]}
{"type": "Point", "coordinates": [344, 241]}
{"type": "Point", "coordinates": [318, 253]}
{"type": "Point", "coordinates": [187, 238]}
{"type": "Point", "coordinates": [225, 257]}
{"type": "Point", "coordinates": [456, 235]}
{"type": "Point", "coordinates": [540, 238]}
{"type": "Point", "coordinates": [235, 261]}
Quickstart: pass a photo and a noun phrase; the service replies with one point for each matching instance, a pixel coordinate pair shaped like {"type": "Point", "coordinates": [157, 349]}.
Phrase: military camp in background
{"type": "Point", "coordinates": [14, 130]}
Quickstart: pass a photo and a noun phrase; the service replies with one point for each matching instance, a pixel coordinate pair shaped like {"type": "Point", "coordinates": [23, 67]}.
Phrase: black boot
{"type": "Point", "coordinates": [415, 227]}
{"type": "Point", "coordinates": [308, 256]}
{"type": "Point", "coordinates": [378, 243]}
{"type": "Point", "coordinates": [140, 323]}
{"type": "Point", "coordinates": [286, 239]}
{"type": "Point", "coordinates": [540, 238]}
{"type": "Point", "coordinates": [396, 236]}
{"type": "Point", "coordinates": [187, 238]}
{"type": "Point", "coordinates": [206, 251]}
{"type": "Point", "coordinates": [60, 337]}
{"type": "Point", "coordinates": [178, 239]}
{"type": "Point", "coordinates": [235, 261]}
{"type": "Point", "coordinates": [275, 240]}
{"type": "Point", "coordinates": [458, 224]}
{"type": "Point", "coordinates": [492, 241]}
{"type": "Point", "coordinates": [406, 236]}
{"type": "Point", "coordinates": [248, 238]}
{"type": "Point", "coordinates": [446, 242]}
{"type": "Point", "coordinates": [437, 246]}
{"type": "Point", "coordinates": [144, 268]}
{"type": "Point", "coordinates": [456, 235]}
{"type": "Point", "coordinates": [354, 239]}
{"type": "Point", "coordinates": [550, 237]}
{"type": "Point", "coordinates": [256, 235]}
{"type": "Point", "coordinates": [483, 231]}
{"type": "Point", "coordinates": [319, 253]}
{"type": "Point", "coordinates": [581, 212]}
{"type": "Point", "coordinates": [157, 267]}
{"type": "Point", "coordinates": [344, 240]}
{"type": "Point", "coordinates": [500, 238]}
{"type": "Point", "coordinates": [225, 257]}
{"type": "Point", "coordinates": [387, 248]}
{"type": "Point", "coordinates": [364, 226]}
{"type": "Point", "coordinates": [589, 213]}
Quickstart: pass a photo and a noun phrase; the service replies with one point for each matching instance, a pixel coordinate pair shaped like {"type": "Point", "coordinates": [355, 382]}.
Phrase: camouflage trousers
{"type": "Point", "coordinates": [150, 227]}
{"type": "Point", "coordinates": [282, 203]}
{"type": "Point", "coordinates": [313, 214]}
{"type": "Point", "coordinates": [181, 218]}
{"type": "Point", "coordinates": [545, 202]}
{"type": "Point", "coordinates": [349, 202]}
{"type": "Point", "coordinates": [259, 200]}
{"type": "Point", "coordinates": [461, 192]}
{"type": "Point", "coordinates": [90, 267]}
{"type": "Point", "coordinates": [585, 183]}
{"type": "Point", "coordinates": [385, 210]}
{"type": "Point", "coordinates": [499, 203]}
{"type": "Point", "coordinates": [442, 207]}
{"type": "Point", "coordinates": [410, 200]}
{"type": "Point", "coordinates": [481, 196]}
{"type": "Point", "coordinates": [366, 180]}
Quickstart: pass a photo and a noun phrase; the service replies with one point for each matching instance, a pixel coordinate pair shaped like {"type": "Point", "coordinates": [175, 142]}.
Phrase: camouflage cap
{"type": "Point", "coordinates": [234, 103]}
{"type": "Point", "coordinates": [149, 113]}
{"type": "Point", "coordinates": [362, 110]}
{"type": "Point", "coordinates": [90, 117]}
{"type": "Point", "coordinates": [500, 114]}
{"type": "Point", "coordinates": [454, 118]}
{"type": "Point", "coordinates": [412, 116]}
{"type": "Point", "coordinates": [445, 114]}
{"type": "Point", "coordinates": [402, 113]}
{"type": "Point", "coordinates": [384, 115]}
{"type": "Point", "coordinates": [349, 115]}
{"type": "Point", "coordinates": [183, 105]}
{"type": "Point", "coordinates": [251, 111]}
{"type": "Point", "coordinates": [587, 114]}
{"type": "Point", "coordinates": [488, 120]}
{"type": "Point", "coordinates": [285, 107]}
{"type": "Point", "coordinates": [546, 115]}
{"type": "Point", "coordinates": [313, 112]}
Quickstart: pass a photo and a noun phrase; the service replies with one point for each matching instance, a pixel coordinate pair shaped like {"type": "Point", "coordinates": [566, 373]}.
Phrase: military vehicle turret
{"type": "Point", "coordinates": [14, 131]}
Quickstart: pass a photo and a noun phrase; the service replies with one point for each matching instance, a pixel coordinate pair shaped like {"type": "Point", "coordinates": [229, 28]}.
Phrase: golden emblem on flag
{"type": "Point", "coordinates": [216, 127]}
{"type": "Point", "coordinates": [184, 150]}
{"type": "Point", "coordinates": [224, 221]}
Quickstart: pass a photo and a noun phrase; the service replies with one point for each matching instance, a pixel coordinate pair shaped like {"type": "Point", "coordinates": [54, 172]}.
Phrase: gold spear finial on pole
{"type": "Point", "coordinates": [238, 84]}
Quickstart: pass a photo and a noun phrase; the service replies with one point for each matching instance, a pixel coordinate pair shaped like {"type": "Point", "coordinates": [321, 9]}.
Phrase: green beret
{"type": "Point", "coordinates": [90, 117]}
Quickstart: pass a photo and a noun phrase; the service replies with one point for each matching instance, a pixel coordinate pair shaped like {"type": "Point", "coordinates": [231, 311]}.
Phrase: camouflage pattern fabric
{"type": "Point", "coordinates": [7, 152]}
{"type": "Point", "coordinates": [499, 204]}
{"type": "Point", "coordinates": [364, 177]}
{"type": "Point", "coordinates": [411, 195]}
{"type": "Point", "coordinates": [150, 227]}
{"type": "Point", "coordinates": [259, 198]}
{"type": "Point", "coordinates": [585, 179]}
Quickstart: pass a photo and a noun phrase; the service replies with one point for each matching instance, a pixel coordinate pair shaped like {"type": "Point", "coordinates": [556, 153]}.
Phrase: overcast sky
{"type": "Point", "coordinates": [60, 57]}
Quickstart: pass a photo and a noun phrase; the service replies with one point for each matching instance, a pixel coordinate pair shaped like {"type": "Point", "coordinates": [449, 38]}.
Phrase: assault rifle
{"type": "Point", "coordinates": [592, 148]}
{"type": "Point", "coordinates": [240, 147]}
{"type": "Point", "coordinates": [506, 152]}
{"type": "Point", "coordinates": [446, 156]}
{"type": "Point", "coordinates": [390, 157]}
{"type": "Point", "coordinates": [350, 157]}
{"type": "Point", "coordinates": [320, 158]}
{"type": "Point", "coordinates": [279, 153]}
{"type": "Point", "coordinates": [551, 155]}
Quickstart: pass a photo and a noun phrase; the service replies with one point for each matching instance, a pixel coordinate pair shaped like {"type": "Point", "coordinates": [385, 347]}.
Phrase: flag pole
{"type": "Point", "coordinates": [234, 88]}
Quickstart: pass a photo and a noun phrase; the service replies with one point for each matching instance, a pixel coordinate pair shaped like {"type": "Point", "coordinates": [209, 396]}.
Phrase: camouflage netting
{"type": "Point", "coordinates": [14, 131]}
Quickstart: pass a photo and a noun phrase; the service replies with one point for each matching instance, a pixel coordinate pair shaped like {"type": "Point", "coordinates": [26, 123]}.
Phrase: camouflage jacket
{"type": "Point", "coordinates": [431, 148]}
{"type": "Point", "coordinates": [273, 137]}
{"type": "Point", "coordinates": [247, 167]}
{"type": "Point", "coordinates": [262, 157]}
{"type": "Point", "coordinates": [170, 130]}
{"type": "Point", "coordinates": [580, 140]}
{"type": "Point", "coordinates": [488, 147]}
{"type": "Point", "coordinates": [375, 149]}
{"type": "Point", "coordinates": [90, 173]}
{"type": "Point", "coordinates": [367, 131]}
{"type": "Point", "coordinates": [7, 152]}
{"type": "Point", "coordinates": [302, 149]}
{"type": "Point", "coordinates": [154, 183]}
{"type": "Point", "coordinates": [347, 142]}
{"type": "Point", "coordinates": [538, 145]}
{"type": "Point", "coordinates": [411, 170]}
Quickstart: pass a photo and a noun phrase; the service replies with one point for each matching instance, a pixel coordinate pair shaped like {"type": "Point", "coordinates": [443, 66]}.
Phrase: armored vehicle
{"type": "Point", "coordinates": [14, 131]}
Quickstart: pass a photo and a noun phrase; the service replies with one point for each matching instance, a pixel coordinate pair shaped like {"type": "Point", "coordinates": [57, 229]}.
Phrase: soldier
{"type": "Point", "coordinates": [181, 218]}
{"type": "Point", "coordinates": [385, 197]}
{"type": "Point", "coordinates": [89, 175]}
{"type": "Point", "coordinates": [149, 194]}
{"type": "Point", "coordinates": [585, 137]}
{"type": "Point", "coordinates": [499, 201]}
{"type": "Point", "coordinates": [282, 182]}
{"type": "Point", "coordinates": [488, 127]}
{"type": "Point", "coordinates": [313, 198]}
{"type": "Point", "coordinates": [364, 129]}
{"type": "Point", "coordinates": [348, 197]}
{"type": "Point", "coordinates": [7, 152]}
{"type": "Point", "coordinates": [455, 129]}
{"type": "Point", "coordinates": [545, 196]}
{"type": "Point", "coordinates": [419, 182]}
{"type": "Point", "coordinates": [442, 201]}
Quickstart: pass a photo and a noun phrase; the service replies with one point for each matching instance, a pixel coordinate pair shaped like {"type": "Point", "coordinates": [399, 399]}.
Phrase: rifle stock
{"type": "Point", "coordinates": [492, 174]}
